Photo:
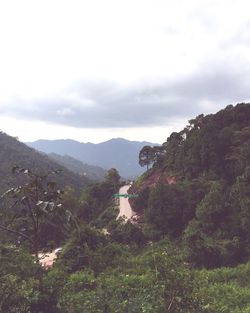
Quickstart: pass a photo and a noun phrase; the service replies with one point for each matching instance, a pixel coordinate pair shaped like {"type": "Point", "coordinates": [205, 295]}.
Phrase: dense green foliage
{"type": "Point", "coordinates": [195, 223]}
{"type": "Point", "coordinates": [207, 205]}
{"type": "Point", "coordinates": [153, 280]}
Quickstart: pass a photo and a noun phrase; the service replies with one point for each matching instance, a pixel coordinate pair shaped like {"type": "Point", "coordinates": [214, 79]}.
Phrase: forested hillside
{"type": "Point", "coordinates": [188, 252]}
{"type": "Point", "coordinates": [91, 172]}
{"type": "Point", "coordinates": [13, 152]}
{"type": "Point", "coordinates": [207, 201]}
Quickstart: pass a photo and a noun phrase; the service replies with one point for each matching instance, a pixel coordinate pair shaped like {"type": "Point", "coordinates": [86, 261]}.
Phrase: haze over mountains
{"type": "Point", "coordinates": [119, 153]}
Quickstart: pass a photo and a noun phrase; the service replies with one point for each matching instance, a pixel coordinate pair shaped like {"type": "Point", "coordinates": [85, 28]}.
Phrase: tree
{"type": "Point", "coordinates": [239, 200]}
{"type": "Point", "coordinates": [19, 280]}
{"type": "Point", "coordinates": [146, 156]}
{"type": "Point", "coordinates": [207, 238]}
{"type": "Point", "coordinates": [165, 208]}
{"type": "Point", "coordinates": [34, 210]}
{"type": "Point", "coordinates": [113, 177]}
{"type": "Point", "coordinates": [154, 282]}
{"type": "Point", "coordinates": [240, 150]}
{"type": "Point", "coordinates": [78, 251]}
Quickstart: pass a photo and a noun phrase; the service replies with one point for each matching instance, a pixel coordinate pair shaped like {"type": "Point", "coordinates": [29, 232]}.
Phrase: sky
{"type": "Point", "coordinates": [92, 70]}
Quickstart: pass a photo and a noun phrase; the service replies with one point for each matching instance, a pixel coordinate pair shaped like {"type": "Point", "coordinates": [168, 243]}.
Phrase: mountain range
{"type": "Point", "coordinates": [119, 153]}
{"type": "Point", "coordinates": [15, 153]}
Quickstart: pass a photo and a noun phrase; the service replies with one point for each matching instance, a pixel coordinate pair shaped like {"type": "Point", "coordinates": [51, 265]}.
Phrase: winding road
{"type": "Point", "coordinates": [124, 206]}
{"type": "Point", "coordinates": [47, 259]}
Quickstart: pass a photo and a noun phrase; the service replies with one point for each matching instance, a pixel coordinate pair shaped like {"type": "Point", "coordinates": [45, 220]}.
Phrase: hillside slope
{"type": "Point", "coordinates": [13, 152]}
{"type": "Point", "coordinates": [118, 153]}
{"type": "Point", "coordinates": [94, 173]}
{"type": "Point", "coordinates": [198, 189]}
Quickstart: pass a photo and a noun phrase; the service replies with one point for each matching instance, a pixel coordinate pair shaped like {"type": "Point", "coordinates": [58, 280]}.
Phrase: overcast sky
{"type": "Point", "coordinates": [91, 70]}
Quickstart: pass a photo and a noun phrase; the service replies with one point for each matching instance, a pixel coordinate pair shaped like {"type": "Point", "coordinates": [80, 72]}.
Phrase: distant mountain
{"type": "Point", "coordinates": [13, 152]}
{"type": "Point", "coordinates": [94, 173]}
{"type": "Point", "coordinates": [119, 153]}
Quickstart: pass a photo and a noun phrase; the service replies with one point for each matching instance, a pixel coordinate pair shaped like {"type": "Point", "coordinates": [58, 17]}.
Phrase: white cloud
{"type": "Point", "coordinates": [65, 112]}
{"type": "Point", "coordinates": [29, 131]}
{"type": "Point", "coordinates": [124, 46]}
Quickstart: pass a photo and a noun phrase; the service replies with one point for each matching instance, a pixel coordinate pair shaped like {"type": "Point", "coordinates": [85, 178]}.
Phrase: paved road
{"type": "Point", "coordinates": [125, 208]}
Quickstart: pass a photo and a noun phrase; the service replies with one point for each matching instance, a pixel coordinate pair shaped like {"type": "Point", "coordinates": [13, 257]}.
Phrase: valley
{"type": "Point", "coordinates": [187, 250]}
